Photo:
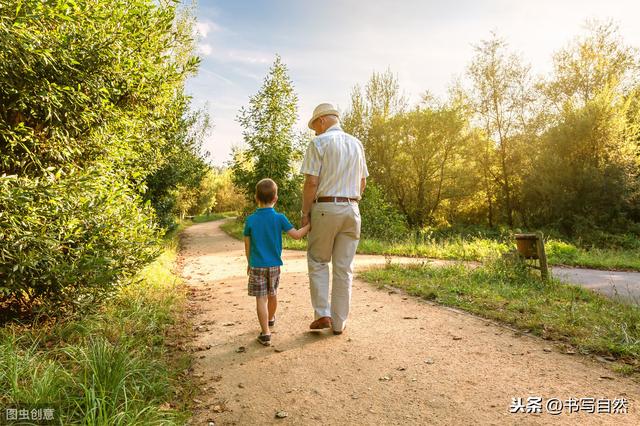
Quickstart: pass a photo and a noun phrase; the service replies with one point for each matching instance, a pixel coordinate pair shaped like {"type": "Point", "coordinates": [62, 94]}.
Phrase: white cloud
{"type": "Point", "coordinates": [209, 73]}
{"type": "Point", "coordinates": [205, 49]}
{"type": "Point", "coordinates": [202, 29]}
{"type": "Point", "coordinates": [201, 32]}
{"type": "Point", "coordinates": [248, 56]}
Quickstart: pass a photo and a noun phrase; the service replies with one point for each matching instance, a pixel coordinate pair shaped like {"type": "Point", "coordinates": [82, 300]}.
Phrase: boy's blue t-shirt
{"type": "Point", "coordinates": [265, 227]}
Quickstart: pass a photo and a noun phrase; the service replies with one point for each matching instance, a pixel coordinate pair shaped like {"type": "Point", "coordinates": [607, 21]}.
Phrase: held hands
{"type": "Point", "coordinates": [305, 226]}
{"type": "Point", "coordinates": [306, 220]}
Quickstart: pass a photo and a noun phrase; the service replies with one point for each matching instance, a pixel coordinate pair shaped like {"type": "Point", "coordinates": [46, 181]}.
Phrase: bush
{"type": "Point", "coordinates": [561, 252]}
{"type": "Point", "coordinates": [380, 219]}
{"type": "Point", "coordinates": [466, 232]}
{"type": "Point", "coordinates": [95, 87]}
{"type": "Point", "coordinates": [599, 238]}
{"type": "Point", "coordinates": [70, 238]}
{"type": "Point", "coordinates": [218, 194]}
{"type": "Point", "coordinates": [112, 366]}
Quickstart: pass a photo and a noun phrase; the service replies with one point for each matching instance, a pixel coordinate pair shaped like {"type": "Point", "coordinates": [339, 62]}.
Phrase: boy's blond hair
{"type": "Point", "coordinates": [266, 191]}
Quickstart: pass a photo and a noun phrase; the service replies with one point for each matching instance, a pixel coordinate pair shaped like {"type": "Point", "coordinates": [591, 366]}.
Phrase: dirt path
{"type": "Point", "coordinates": [439, 367]}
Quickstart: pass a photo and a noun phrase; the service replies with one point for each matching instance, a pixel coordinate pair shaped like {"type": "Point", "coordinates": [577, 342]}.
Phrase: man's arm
{"type": "Point", "coordinates": [363, 185]}
{"type": "Point", "coordinates": [247, 250]}
{"type": "Point", "coordinates": [308, 195]}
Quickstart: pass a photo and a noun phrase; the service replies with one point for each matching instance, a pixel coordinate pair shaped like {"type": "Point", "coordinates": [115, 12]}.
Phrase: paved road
{"type": "Point", "coordinates": [622, 285]}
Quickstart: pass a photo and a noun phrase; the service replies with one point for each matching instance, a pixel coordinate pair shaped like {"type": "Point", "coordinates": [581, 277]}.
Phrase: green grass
{"type": "Point", "coordinates": [562, 253]}
{"type": "Point", "coordinates": [233, 228]}
{"type": "Point", "coordinates": [587, 321]}
{"type": "Point", "coordinates": [470, 248]}
{"type": "Point", "coordinates": [213, 216]}
{"type": "Point", "coordinates": [107, 367]}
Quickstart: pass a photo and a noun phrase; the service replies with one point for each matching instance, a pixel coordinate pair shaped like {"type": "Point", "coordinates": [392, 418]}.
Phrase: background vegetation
{"type": "Point", "coordinates": [506, 151]}
{"type": "Point", "coordinates": [510, 149]}
{"type": "Point", "coordinates": [97, 144]}
{"type": "Point", "coordinates": [273, 149]}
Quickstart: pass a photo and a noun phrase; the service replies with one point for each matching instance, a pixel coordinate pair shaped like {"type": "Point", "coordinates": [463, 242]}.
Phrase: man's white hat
{"type": "Point", "coordinates": [323, 109]}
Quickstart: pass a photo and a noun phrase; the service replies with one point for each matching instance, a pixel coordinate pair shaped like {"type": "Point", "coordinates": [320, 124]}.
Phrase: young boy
{"type": "Point", "coordinates": [263, 248]}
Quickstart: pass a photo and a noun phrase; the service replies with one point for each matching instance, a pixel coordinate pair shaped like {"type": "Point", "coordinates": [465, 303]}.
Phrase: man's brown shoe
{"type": "Point", "coordinates": [339, 332]}
{"type": "Point", "coordinates": [320, 324]}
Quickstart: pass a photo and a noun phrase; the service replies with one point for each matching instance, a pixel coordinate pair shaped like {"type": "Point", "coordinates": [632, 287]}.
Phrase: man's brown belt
{"type": "Point", "coordinates": [334, 200]}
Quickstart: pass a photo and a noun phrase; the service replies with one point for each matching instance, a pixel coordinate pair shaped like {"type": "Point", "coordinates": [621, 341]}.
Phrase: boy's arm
{"type": "Point", "coordinates": [297, 234]}
{"type": "Point", "coordinates": [247, 250]}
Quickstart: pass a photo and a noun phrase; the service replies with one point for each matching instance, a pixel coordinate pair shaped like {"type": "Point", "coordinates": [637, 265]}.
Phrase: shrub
{"type": "Point", "coordinates": [93, 116]}
{"type": "Point", "coordinates": [70, 238]}
{"type": "Point", "coordinates": [380, 219]}
{"type": "Point", "coordinates": [561, 251]}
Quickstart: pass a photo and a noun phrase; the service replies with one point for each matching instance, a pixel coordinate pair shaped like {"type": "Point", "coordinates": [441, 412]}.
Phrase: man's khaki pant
{"type": "Point", "coordinates": [334, 237]}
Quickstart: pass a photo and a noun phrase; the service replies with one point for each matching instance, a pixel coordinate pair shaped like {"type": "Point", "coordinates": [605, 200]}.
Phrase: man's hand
{"type": "Point", "coordinates": [306, 219]}
{"type": "Point", "coordinates": [248, 269]}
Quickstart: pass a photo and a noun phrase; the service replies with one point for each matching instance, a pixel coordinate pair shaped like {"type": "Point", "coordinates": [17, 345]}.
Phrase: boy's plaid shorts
{"type": "Point", "coordinates": [264, 281]}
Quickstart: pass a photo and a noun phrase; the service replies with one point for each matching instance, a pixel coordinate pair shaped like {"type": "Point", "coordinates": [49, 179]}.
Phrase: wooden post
{"type": "Point", "coordinates": [542, 257]}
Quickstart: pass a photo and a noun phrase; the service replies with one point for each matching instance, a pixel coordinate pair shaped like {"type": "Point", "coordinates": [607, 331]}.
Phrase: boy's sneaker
{"type": "Point", "coordinates": [264, 339]}
{"type": "Point", "coordinates": [272, 322]}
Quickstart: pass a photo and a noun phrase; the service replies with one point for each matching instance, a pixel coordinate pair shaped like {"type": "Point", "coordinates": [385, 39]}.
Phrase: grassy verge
{"type": "Point", "coordinates": [558, 252]}
{"type": "Point", "coordinates": [108, 367]}
{"type": "Point", "coordinates": [213, 216]}
{"type": "Point", "coordinates": [581, 319]}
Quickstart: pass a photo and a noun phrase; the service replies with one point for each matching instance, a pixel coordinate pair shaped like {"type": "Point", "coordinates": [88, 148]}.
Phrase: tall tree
{"type": "Point", "coordinates": [415, 158]}
{"type": "Point", "coordinates": [369, 115]}
{"type": "Point", "coordinates": [500, 99]}
{"type": "Point", "coordinates": [380, 100]}
{"type": "Point", "coordinates": [92, 105]}
{"type": "Point", "coordinates": [272, 147]}
{"type": "Point", "coordinates": [597, 61]}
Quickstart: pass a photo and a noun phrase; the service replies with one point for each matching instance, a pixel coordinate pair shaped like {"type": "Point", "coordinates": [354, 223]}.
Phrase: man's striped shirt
{"type": "Point", "coordinates": [337, 158]}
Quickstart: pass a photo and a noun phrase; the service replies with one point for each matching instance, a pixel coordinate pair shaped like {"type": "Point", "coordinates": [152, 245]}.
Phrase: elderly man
{"type": "Point", "coordinates": [335, 177]}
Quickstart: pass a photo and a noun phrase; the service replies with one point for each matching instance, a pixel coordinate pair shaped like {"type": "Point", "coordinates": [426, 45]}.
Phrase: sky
{"type": "Point", "coordinates": [329, 46]}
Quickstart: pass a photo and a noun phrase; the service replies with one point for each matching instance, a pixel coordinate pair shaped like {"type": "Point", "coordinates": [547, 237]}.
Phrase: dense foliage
{"type": "Point", "coordinates": [70, 237]}
{"type": "Point", "coordinates": [93, 120]}
{"type": "Point", "coordinates": [380, 219]}
{"type": "Point", "coordinates": [215, 194]}
{"type": "Point", "coordinates": [507, 148]}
